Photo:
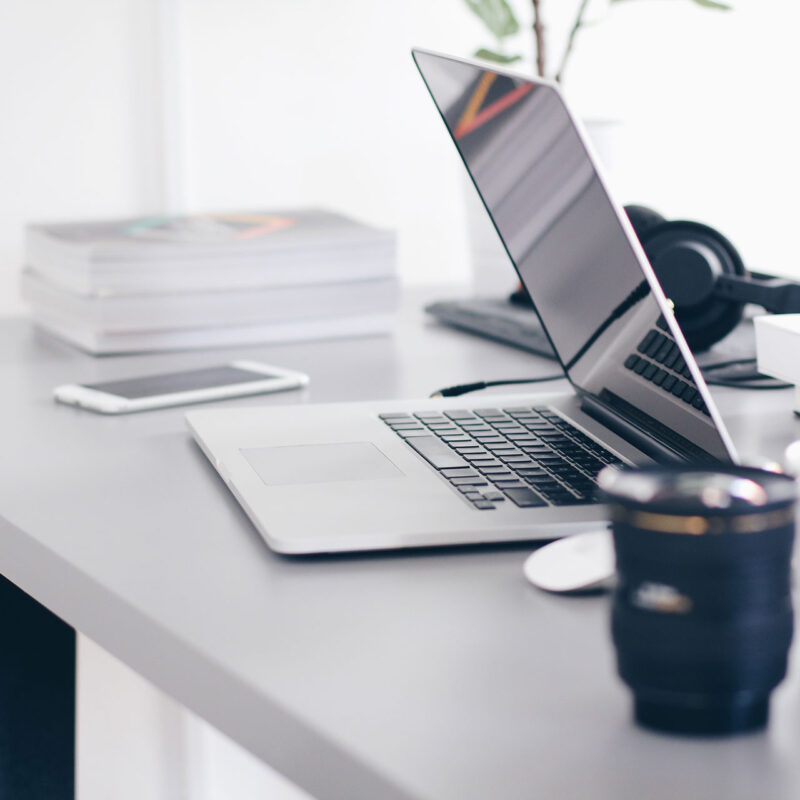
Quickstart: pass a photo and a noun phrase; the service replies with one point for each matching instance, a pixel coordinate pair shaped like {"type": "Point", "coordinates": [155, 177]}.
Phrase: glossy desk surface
{"type": "Point", "coordinates": [410, 675]}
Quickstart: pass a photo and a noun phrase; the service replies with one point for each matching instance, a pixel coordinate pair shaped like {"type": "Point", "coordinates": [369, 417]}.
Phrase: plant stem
{"type": "Point", "coordinates": [576, 26]}
{"type": "Point", "coordinates": [539, 39]}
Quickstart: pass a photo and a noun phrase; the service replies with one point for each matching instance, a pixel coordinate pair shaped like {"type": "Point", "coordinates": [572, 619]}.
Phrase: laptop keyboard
{"type": "Point", "coordinates": [659, 361]}
{"type": "Point", "coordinates": [529, 456]}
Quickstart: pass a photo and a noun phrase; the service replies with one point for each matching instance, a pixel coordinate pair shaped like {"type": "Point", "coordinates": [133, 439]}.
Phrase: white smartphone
{"type": "Point", "coordinates": [147, 392]}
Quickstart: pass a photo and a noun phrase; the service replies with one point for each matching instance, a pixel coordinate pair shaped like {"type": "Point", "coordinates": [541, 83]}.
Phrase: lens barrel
{"type": "Point", "coordinates": [702, 616]}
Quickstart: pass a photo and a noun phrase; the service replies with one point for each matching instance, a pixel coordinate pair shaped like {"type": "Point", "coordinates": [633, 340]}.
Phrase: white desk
{"type": "Point", "coordinates": [438, 675]}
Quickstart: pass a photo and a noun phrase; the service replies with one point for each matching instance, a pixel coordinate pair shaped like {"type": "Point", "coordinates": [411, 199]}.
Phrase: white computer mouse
{"type": "Point", "coordinates": [576, 563]}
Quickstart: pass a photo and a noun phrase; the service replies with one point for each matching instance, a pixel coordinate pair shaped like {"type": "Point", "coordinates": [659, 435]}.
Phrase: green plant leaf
{"type": "Point", "coordinates": [498, 58]}
{"type": "Point", "coordinates": [713, 4]}
{"type": "Point", "coordinates": [496, 15]}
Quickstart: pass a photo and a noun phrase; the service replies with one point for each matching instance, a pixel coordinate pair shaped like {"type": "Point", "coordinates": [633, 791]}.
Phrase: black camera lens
{"type": "Point", "coordinates": [702, 614]}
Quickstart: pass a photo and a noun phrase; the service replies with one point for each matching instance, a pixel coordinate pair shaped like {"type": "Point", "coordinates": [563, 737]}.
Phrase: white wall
{"type": "Point", "coordinates": [276, 103]}
{"type": "Point", "coordinates": [711, 120]}
{"type": "Point", "coordinates": [75, 136]}
{"type": "Point", "coordinates": [318, 102]}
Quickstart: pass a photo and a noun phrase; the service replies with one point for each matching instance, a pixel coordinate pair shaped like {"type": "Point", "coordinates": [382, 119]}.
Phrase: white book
{"type": "Point", "coordinates": [136, 242]}
{"type": "Point", "coordinates": [105, 343]}
{"type": "Point", "coordinates": [149, 312]}
{"type": "Point", "coordinates": [253, 270]}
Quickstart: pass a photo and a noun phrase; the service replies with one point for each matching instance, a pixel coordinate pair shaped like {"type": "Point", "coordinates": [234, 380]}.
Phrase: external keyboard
{"type": "Point", "coordinates": [530, 456]}
{"type": "Point", "coordinates": [496, 318]}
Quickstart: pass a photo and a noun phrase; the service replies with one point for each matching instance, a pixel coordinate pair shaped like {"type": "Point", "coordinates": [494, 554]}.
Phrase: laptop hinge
{"type": "Point", "coordinates": [669, 447]}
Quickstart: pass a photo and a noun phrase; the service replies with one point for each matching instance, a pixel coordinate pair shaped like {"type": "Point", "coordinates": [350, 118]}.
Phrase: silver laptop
{"type": "Point", "coordinates": [362, 476]}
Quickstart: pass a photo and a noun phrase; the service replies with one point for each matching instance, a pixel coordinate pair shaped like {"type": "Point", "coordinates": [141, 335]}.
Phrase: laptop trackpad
{"type": "Point", "coordinates": [320, 463]}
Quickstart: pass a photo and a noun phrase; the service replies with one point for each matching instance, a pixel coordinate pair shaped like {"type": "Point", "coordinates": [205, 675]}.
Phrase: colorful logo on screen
{"type": "Point", "coordinates": [489, 98]}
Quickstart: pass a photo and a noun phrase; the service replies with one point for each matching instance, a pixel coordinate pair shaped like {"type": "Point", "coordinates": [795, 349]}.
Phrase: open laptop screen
{"type": "Point", "coordinates": [570, 247]}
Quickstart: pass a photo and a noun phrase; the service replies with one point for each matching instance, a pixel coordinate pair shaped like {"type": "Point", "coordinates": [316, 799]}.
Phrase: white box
{"type": "Point", "coordinates": [778, 348]}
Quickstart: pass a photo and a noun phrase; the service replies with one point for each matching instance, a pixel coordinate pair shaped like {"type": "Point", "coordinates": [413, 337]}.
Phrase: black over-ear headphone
{"type": "Point", "coordinates": [704, 276]}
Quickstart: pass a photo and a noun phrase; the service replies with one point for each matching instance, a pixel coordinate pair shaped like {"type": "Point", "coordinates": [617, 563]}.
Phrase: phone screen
{"type": "Point", "coordinates": [173, 382]}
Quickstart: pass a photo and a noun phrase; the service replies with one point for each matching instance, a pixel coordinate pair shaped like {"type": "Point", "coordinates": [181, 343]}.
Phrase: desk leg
{"type": "Point", "coordinates": [37, 700]}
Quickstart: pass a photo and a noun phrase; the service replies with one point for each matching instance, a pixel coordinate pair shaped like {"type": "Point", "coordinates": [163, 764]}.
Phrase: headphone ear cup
{"type": "Point", "coordinates": [643, 219]}
{"type": "Point", "coordinates": [687, 258]}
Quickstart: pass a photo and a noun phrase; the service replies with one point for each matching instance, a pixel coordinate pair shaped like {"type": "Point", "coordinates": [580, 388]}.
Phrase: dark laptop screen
{"type": "Point", "coordinates": [569, 246]}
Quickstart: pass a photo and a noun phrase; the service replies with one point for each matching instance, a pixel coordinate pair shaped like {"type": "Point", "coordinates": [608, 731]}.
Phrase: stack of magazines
{"type": "Point", "coordinates": [162, 283]}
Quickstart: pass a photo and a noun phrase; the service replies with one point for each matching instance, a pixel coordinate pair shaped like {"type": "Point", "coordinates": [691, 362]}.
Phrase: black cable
{"type": "Point", "coordinates": [722, 364]}
{"type": "Point", "coordinates": [746, 381]}
{"type": "Point", "coordinates": [743, 382]}
{"type": "Point", "coordinates": [464, 388]}
{"type": "Point", "coordinates": [740, 385]}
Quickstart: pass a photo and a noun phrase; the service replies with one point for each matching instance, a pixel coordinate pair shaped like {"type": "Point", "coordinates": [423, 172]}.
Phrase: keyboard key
{"type": "Point", "coordinates": [672, 359]}
{"type": "Point", "coordinates": [545, 484]}
{"type": "Point", "coordinates": [508, 484]}
{"type": "Point", "coordinates": [500, 448]}
{"type": "Point", "coordinates": [592, 465]}
{"type": "Point", "coordinates": [531, 473]}
{"type": "Point", "coordinates": [536, 449]}
{"type": "Point", "coordinates": [459, 472]}
{"type": "Point", "coordinates": [483, 505]}
{"type": "Point", "coordinates": [393, 416]}
{"type": "Point", "coordinates": [648, 340]}
{"type": "Point", "coordinates": [482, 463]}
{"type": "Point", "coordinates": [436, 452]}
{"type": "Point", "coordinates": [495, 496]}
{"type": "Point", "coordinates": [563, 499]}
{"type": "Point", "coordinates": [415, 432]}
{"type": "Point", "coordinates": [655, 345]}
{"type": "Point", "coordinates": [478, 481]}
{"type": "Point", "coordinates": [458, 413]}
{"type": "Point", "coordinates": [679, 388]}
{"type": "Point", "coordinates": [664, 351]}
{"type": "Point", "coordinates": [525, 497]}
{"type": "Point", "coordinates": [551, 459]}
{"type": "Point", "coordinates": [493, 475]}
